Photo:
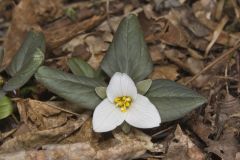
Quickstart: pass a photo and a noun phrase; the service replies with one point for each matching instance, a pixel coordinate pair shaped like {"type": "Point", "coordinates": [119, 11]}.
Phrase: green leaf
{"type": "Point", "coordinates": [5, 107]}
{"type": "Point", "coordinates": [71, 13]}
{"type": "Point", "coordinates": [101, 92]}
{"type": "Point", "coordinates": [126, 128]}
{"type": "Point", "coordinates": [26, 72]}
{"type": "Point", "coordinates": [128, 52]}
{"type": "Point", "coordinates": [143, 86]}
{"type": "Point", "coordinates": [33, 41]}
{"type": "Point", "coordinates": [81, 68]}
{"type": "Point", "coordinates": [173, 100]}
{"type": "Point", "coordinates": [76, 89]}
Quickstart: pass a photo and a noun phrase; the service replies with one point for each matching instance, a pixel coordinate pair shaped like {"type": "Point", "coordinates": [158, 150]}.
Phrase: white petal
{"type": "Point", "coordinates": [121, 85]}
{"type": "Point", "coordinates": [143, 114]}
{"type": "Point", "coordinates": [107, 117]}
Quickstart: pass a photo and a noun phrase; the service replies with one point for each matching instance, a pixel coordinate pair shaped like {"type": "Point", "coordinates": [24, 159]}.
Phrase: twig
{"type": "Point", "coordinates": [216, 34]}
{"type": "Point", "coordinates": [64, 110]}
{"type": "Point", "coordinates": [227, 78]}
{"type": "Point", "coordinates": [15, 118]}
{"type": "Point", "coordinates": [236, 8]}
{"type": "Point", "coordinates": [218, 60]}
{"type": "Point", "coordinates": [226, 75]}
{"type": "Point", "coordinates": [238, 70]}
{"type": "Point", "coordinates": [219, 9]}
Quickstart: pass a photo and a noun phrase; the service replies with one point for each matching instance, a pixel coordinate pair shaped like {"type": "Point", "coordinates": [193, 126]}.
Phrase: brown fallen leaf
{"type": "Point", "coordinates": [120, 147]}
{"type": "Point", "coordinates": [59, 35]}
{"type": "Point", "coordinates": [6, 7]}
{"type": "Point", "coordinates": [237, 156]}
{"type": "Point", "coordinates": [156, 53]}
{"type": "Point", "coordinates": [181, 147]}
{"type": "Point", "coordinates": [96, 44]}
{"type": "Point", "coordinates": [114, 22]}
{"type": "Point", "coordinates": [166, 4]}
{"type": "Point", "coordinates": [39, 115]}
{"type": "Point", "coordinates": [148, 11]}
{"type": "Point", "coordinates": [201, 128]}
{"type": "Point", "coordinates": [226, 147]}
{"type": "Point", "coordinates": [178, 58]}
{"type": "Point", "coordinates": [195, 65]}
{"type": "Point", "coordinates": [84, 134]}
{"type": "Point", "coordinates": [174, 35]}
{"type": "Point", "coordinates": [95, 60]}
{"type": "Point", "coordinates": [36, 139]}
{"type": "Point", "coordinates": [24, 18]}
{"type": "Point", "coordinates": [165, 72]}
{"type": "Point", "coordinates": [194, 30]}
{"type": "Point", "coordinates": [27, 15]}
{"type": "Point", "coordinates": [225, 143]}
{"type": "Point", "coordinates": [184, 16]}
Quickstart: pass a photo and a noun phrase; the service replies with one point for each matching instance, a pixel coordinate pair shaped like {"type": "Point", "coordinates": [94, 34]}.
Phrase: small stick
{"type": "Point", "coordinates": [216, 34]}
{"type": "Point", "coordinates": [238, 70]}
{"type": "Point", "coordinates": [227, 78]}
{"type": "Point", "coordinates": [226, 75]}
{"type": "Point", "coordinates": [218, 60]}
{"type": "Point", "coordinates": [15, 118]}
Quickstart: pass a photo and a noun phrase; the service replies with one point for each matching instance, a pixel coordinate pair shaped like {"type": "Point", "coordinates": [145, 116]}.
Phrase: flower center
{"type": "Point", "coordinates": [123, 102]}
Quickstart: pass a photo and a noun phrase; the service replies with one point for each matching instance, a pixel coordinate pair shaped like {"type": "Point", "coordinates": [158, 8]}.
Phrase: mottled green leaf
{"type": "Point", "coordinates": [128, 52]}
{"type": "Point", "coordinates": [173, 100]}
{"type": "Point", "coordinates": [33, 41]}
{"type": "Point", "coordinates": [5, 107]}
{"type": "Point", "coordinates": [71, 13]}
{"type": "Point", "coordinates": [76, 89]}
{"type": "Point", "coordinates": [101, 92]}
{"type": "Point", "coordinates": [126, 128]}
{"type": "Point", "coordinates": [26, 72]}
{"type": "Point", "coordinates": [143, 86]}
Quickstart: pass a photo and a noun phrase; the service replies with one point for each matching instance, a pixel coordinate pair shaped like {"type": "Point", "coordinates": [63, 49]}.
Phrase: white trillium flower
{"type": "Point", "coordinates": [123, 103]}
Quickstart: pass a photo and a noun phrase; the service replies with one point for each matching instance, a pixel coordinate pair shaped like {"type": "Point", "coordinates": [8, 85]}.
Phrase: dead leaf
{"type": "Point", "coordinates": [184, 16]}
{"type": "Point", "coordinates": [148, 11]}
{"type": "Point", "coordinates": [178, 58]}
{"type": "Point", "coordinates": [195, 65]}
{"type": "Point", "coordinates": [27, 15]}
{"type": "Point", "coordinates": [156, 53]}
{"type": "Point", "coordinates": [95, 60]}
{"type": "Point", "coordinates": [38, 115]}
{"type": "Point", "coordinates": [165, 72]}
{"type": "Point", "coordinates": [166, 4]}
{"type": "Point", "coordinates": [181, 147]}
{"type": "Point", "coordinates": [174, 35]}
{"type": "Point", "coordinates": [24, 18]}
{"type": "Point", "coordinates": [226, 147]}
{"type": "Point", "coordinates": [114, 22]}
{"type": "Point", "coordinates": [36, 139]}
{"type": "Point", "coordinates": [59, 35]}
{"type": "Point", "coordinates": [6, 7]}
{"type": "Point", "coordinates": [96, 44]}
{"type": "Point", "coordinates": [121, 147]}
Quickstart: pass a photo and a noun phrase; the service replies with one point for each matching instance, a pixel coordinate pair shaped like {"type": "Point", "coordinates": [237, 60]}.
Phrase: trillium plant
{"type": "Point", "coordinates": [123, 103]}
{"type": "Point", "coordinates": [129, 98]}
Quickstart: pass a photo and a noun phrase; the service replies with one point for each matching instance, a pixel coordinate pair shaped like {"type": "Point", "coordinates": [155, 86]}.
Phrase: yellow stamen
{"type": "Point", "coordinates": [123, 102]}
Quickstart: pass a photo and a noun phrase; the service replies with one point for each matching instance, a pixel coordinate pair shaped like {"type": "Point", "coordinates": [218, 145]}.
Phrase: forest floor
{"type": "Point", "coordinates": [193, 42]}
